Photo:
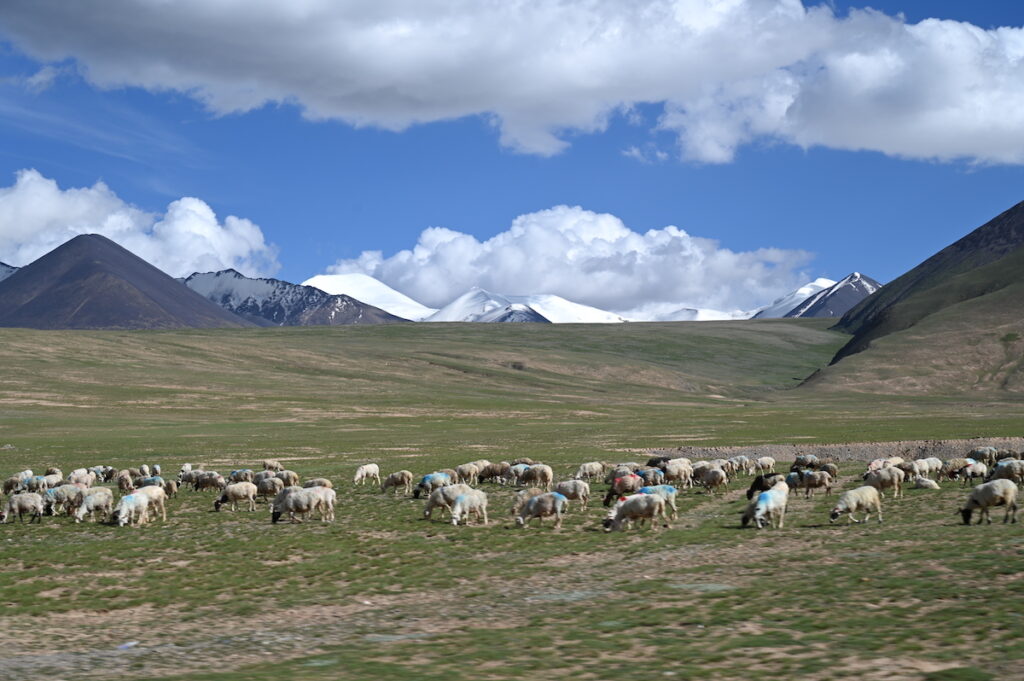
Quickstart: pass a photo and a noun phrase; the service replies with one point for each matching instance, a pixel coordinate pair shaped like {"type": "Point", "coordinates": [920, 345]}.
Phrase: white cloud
{"type": "Point", "coordinates": [726, 72]}
{"type": "Point", "coordinates": [36, 216]}
{"type": "Point", "coordinates": [590, 258]}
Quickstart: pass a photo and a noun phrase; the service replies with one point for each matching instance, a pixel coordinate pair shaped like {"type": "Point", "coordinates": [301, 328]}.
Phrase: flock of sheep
{"type": "Point", "coordinates": [636, 494]}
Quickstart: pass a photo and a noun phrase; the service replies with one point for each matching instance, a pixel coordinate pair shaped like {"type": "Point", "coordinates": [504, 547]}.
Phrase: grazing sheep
{"type": "Point", "coordinates": [443, 498]}
{"type": "Point", "coordinates": [242, 475]}
{"type": "Point", "coordinates": [971, 471]}
{"type": "Point", "coordinates": [516, 472]}
{"type": "Point", "coordinates": [295, 501]}
{"type": "Point", "coordinates": [494, 472]}
{"type": "Point", "coordinates": [951, 466]}
{"type": "Point", "coordinates": [82, 477]}
{"type": "Point", "coordinates": [525, 459]}
{"type": "Point", "coordinates": [473, 502]}
{"type": "Point", "coordinates": [157, 499]}
{"type": "Point", "coordinates": [20, 504]}
{"type": "Point", "coordinates": [986, 455]}
{"type": "Point", "coordinates": [209, 480]}
{"type": "Point", "coordinates": [37, 483]}
{"type": "Point", "coordinates": [925, 483]}
{"type": "Point", "coordinates": [269, 487]}
{"type": "Point", "coordinates": [53, 480]}
{"type": "Point", "coordinates": [521, 497]}
{"type": "Point", "coordinates": [812, 480]}
{"type": "Point", "coordinates": [290, 478]}
{"type": "Point", "coordinates": [658, 461]}
{"type": "Point", "coordinates": [64, 497]}
{"type": "Point", "coordinates": [152, 481]}
{"type": "Point", "coordinates": [171, 487]}
{"type": "Point", "coordinates": [272, 465]}
{"type": "Point", "coordinates": [328, 499]}
{"type": "Point", "coordinates": [831, 469]}
{"type": "Point", "coordinates": [467, 473]}
{"type": "Point", "coordinates": [711, 478]}
{"type": "Point", "coordinates": [366, 473]}
{"type": "Point", "coordinates": [988, 495]}
{"type": "Point", "coordinates": [12, 485]}
{"type": "Point", "coordinates": [637, 507]}
{"type": "Point", "coordinates": [765, 482]}
{"type": "Point", "coordinates": [319, 482]}
{"type": "Point", "coordinates": [539, 474]}
{"type": "Point", "coordinates": [235, 492]}
{"type": "Point", "coordinates": [929, 466]}
{"type": "Point", "coordinates": [621, 486]}
{"type": "Point", "coordinates": [666, 492]}
{"type": "Point", "coordinates": [399, 479]}
{"type": "Point", "coordinates": [1008, 469]}
{"type": "Point", "coordinates": [864, 498]}
{"type": "Point", "coordinates": [589, 471]}
{"type": "Point", "coordinates": [576, 490]}
{"type": "Point", "coordinates": [652, 476]}
{"type": "Point", "coordinates": [742, 464]}
{"type": "Point", "coordinates": [805, 461]}
{"type": "Point", "coordinates": [679, 470]}
{"type": "Point", "coordinates": [911, 469]}
{"type": "Point", "coordinates": [144, 471]}
{"type": "Point", "coordinates": [770, 505]}
{"type": "Point", "coordinates": [124, 482]}
{"type": "Point", "coordinates": [619, 470]}
{"type": "Point", "coordinates": [884, 478]}
{"type": "Point", "coordinates": [765, 464]}
{"type": "Point", "coordinates": [542, 506]}
{"type": "Point", "coordinates": [53, 470]}
{"type": "Point", "coordinates": [428, 483]}
{"type": "Point", "coordinates": [131, 509]}
{"type": "Point", "coordinates": [96, 499]}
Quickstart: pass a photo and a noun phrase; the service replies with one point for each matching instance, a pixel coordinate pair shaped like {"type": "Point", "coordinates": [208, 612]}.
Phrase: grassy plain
{"type": "Point", "coordinates": [383, 594]}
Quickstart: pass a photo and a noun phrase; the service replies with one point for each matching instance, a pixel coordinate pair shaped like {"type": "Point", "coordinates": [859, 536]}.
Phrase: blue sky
{"type": "Point", "coordinates": [324, 191]}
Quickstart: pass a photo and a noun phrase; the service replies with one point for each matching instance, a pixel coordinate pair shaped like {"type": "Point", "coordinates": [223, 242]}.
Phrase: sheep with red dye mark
{"type": "Point", "coordinates": [988, 495]}
{"type": "Point", "coordinates": [543, 506]}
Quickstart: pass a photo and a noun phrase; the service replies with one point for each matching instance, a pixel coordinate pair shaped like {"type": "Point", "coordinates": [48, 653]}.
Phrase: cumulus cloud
{"type": "Point", "coordinates": [36, 216]}
{"type": "Point", "coordinates": [725, 72]}
{"type": "Point", "coordinates": [590, 258]}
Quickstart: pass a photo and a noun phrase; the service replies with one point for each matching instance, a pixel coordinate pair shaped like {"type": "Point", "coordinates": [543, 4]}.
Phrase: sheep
{"type": "Point", "coordinates": [235, 492]}
{"type": "Point", "coordinates": [37, 483]}
{"type": "Point", "coordinates": [619, 470]}
{"type": "Point", "coordinates": [805, 461]}
{"type": "Point", "coordinates": [497, 472]}
{"type": "Point", "coordinates": [652, 476]}
{"type": "Point", "coordinates": [831, 469]}
{"type": "Point", "coordinates": [12, 485]}
{"type": "Point", "coordinates": [972, 471]}
{"type": "Point", "coordinates": [812, 480]}
{"type": "Point", "coordinates": [443, 498]}
{"type": "Point", "coordinates": [242, 475]}
{"type": "Point", "coordinates": [770, 505]}
{"type": "Point", "coordinates": [911, 469]}
{"type": "Point", "coordinates": [63, 497]}
{"type": "Point", "coordinates": [627, 484]}
{"type": "Point", "coordinates": [269, 487]}
{"type": "Point", "coordinates": [989, 494]}
{"type": "Point", "coordinates": [764, 482]}
{"type": "Point", "coordinates": [711, 478]}
{"type": "Point", "coordinates": [1003, 454]}
{"type": "Point", "coordinates": [884, 478]}
{"type": "Point", "coordinates": [124, 482]}
{"type": "Point", "coordinates": [367, 472]}
{"type": "Point", "coordinates": [428, 483]}
{"type": "Point", "coordinates": [131, 509]}
{"type": "Point", "coordinates": [637, 507]}
{"type": "Point", "coordinates": [1008, 469]}
{"type": "Point", "coordinates": [319, 482]}
{"type": "Point", "coordinates": [263, 475]}
{"type": "Point", "coordinates": [666, 492]}
{"type": "Point", "coordinates": [171, 487]}
{"type": "Point", "coordinates": [521, 497]}
{"type": "Point", "coordinates": [53, 470]}
{"type": "Point", "coordinates": [951, 466]}
{"type": "Point", "coordinates": [574, 490]}
{"type": "Point", "coordinates": [467, 473]}
{"type": "Point", "coordinates": [658, 461]}
{"type": "Point", "coordinates": [83, 477]}
{"type": "Point", "coordinates": [516, 472]}
{"type": "Point", "coordinates": [209, 480]}
{"type": "Point", "coordinates": [525, 459]}
{"type": "Point", "coordinates": [765, 464]}
{"type": "Point", "coordinates": [144, 471]}
{"type": "Point", "coordinates": [20, 504]}
{"type": "Point", "coordinates": [328, 499]}
{"type": "Point", "coordinates": [399, 479]}
{"type": "Point", "coordinates": [96, 499]}
{"type": "Point", "coordinates": [272, 465]}
{"type": "Point", "coordinates": [679, 470]}
{"type": "Point", "coordinates": [53, 479]}
{"type": "Point", "coordinates": [928, 466]}
{"type": "Point", "coordinates": [152, 481]}
{"type": "Point", "coordinates": [157, 499]}
{"type": "Point", "coordinates": [742, 464]}
{"type": "Point", "coordinates": [290, 478]}
{"type": "Point", "coordinates": [542, 506]}
{"type": "Point", "coordinates": [295, 500]}
{"type": "Point", "coordinates": [473, 502]}
{"type": "Point", "coordinates": [589, 471]}
{"type": "Point", "coordinates": [864, 498]}
{"type": "Point", "coordinates": [925, 483]}
{"type": "Point", "coordinates": [538, 474]}
{"type": "Point", "coordinates": [986, 455]}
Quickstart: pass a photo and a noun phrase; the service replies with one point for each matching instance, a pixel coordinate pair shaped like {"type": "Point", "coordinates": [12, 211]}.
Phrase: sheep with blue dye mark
{"type": "Point", "coordinates": [866, 498]}
{"type": "Point", "coordinates": [638, 508]}
{"type": "Point", "coordinates": [652, 476]}
{"type": "Point", "coordinates": [1008, 469]}
{"type": "Point", "coordinates": [37, 483]}
{"type": "Point", "coordinates": [575, 490]}
{"type": "Point", "coordinates": [368, 472]}
{"type": "Point", "coordinates": [400, 480]}
{"type": "Point", "coordinates": [235, 492]}
{"type": "Point", "coordinates": [131, 509]}
{"type": "Point", "coordinates": [521, 497]}
{"type": "Point", "coordinates": [769, 507]}
{"type": "Point", "coordinates": [20, 504]}
{"type": "Point", "coordinates": [471, 503]}
{"type": "Point", "coordinates": [94, 500]}
{"type": "Point", "coordinates": [443, 498]}
{"type": "Point", "coordinates": [666, 492]}
{"type": "Point", "coordinates": [241, 475]}
{"type": "Point", "coordinates": [63, 498]}
{"type": "Point", "coordinates": [543, 506]}
{"type": "Point", "coordinates": [430, 482]}
{"type": "Point", "coordinates": [988, 495]}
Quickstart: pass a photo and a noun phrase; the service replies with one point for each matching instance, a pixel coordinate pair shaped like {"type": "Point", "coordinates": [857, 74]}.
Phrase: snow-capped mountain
{"type": "Point", "coordinates": [272, 302]}
{"type": "Point", "coordinates": [782, 306]}
{"type": "Point", "coordinates": [6, 270]}
{"type": "Point", "coordinates": [838, 299]}
{"type": "Point", "coordinates": [372, 292]}
{"type": "Point", "coordinates": [478, 305]}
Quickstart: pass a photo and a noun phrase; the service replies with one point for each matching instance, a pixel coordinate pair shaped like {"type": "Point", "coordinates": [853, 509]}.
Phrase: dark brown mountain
{"type": "Point", "coordinates": [90, 282]}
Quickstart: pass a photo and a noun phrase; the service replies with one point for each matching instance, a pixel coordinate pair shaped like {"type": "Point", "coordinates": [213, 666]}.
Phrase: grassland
{"type": "Point", "coordinates": [383, 594]}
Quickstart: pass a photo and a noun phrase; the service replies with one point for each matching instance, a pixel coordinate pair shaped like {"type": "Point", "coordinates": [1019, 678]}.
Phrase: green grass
{"type": "Point", "coordinates": [383, 594]}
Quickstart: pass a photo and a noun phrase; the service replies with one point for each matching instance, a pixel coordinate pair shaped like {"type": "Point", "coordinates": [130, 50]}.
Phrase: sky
{"type": "Point", "coordinates": [693, 153]}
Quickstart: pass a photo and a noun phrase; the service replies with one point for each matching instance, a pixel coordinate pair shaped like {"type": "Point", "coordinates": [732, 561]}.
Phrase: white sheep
{"type": "Point", "coordinates": [864, 498]}
{"type": "Point", "coordinates": [538, 474]}
{"type": "Point", "coordinates": [576, 490]}
{"type": "Point", "coordinates": [473, 502]}
{"type": "Point", "coordinates": [318, 482]}
{"type": "Point", "coordinates": [812, 480]}
{"type": "Point", "coordinates": [884, 478]}
{"type": "Point", "coordinates": [328, 499]}
{"type": "Point", "coordinates": [272, 465]}
{"type": "Point", "coordinates": [366, 473]}
{"type": "Point", "coordinates": [1008, 469]}
{"type": "Point", "coordinates": [20, 504]}
{"type": "Point", "coordinates": [679, 470]}
{"type": "Point", "coordinates": [543, 506]}
{"type": "Point", "coordinates": [290, 478]}
{"type": "Point", "coordinates": [769, 506]}
{"type": "Point", "coordinates": [294, 501]}
{"type": "Point", "coordinates": [235, 492]}
{"type": "Point", "coordinates": [666, 492]}
{"type": "Point", "coordinates": [241, 475]}
{"type": "Point", "coordinates": [639, 508]}
{"type": "Point", "coordinates": [443, 498]}
{"type": "Point", "coordinates": [765, 464]}
{"type": "Point", "coordinates": [989, 494]}
{"type": "Point", "coordinates": [95, 499]}
{"type": "Point", "coordinates": [972, 471]}
{"type": "Point", "coordinates": [925, 483]}
{"type": "Point", "coordinates": [467, 473]}
{"type": "Point", "coordinates": [131, 509]}
{"type": "Point", "coordinates": [591, 470]}
{"type": "Point", "coordinates": [711, 478]}
{"type": "Point", "coordinates": [399, 480]}
{"type": "Point", "coordinates": [156, 497]}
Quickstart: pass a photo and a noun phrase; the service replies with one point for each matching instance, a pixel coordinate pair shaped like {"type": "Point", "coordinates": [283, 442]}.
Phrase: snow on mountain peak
{"type": "Point", "coordinates": [365, 288]}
